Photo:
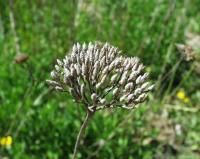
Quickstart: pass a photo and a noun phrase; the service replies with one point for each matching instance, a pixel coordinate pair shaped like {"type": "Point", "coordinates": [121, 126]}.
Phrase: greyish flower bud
{"type": "Point", "coordinates": [132, 76]}
{"type": "Point", "coordinates": [144, 85]}
{"type": "Point", "coordinates": [122, 98]}
{"type": "Point", "coordinates": [103, 78]}
{"type": "Point", "coordinates": [105, 70]}
{"type": "Point", "coordinates": [103, 101]}
{"type": "Point", "coordinates": [111, 66]}
{"type": "Point", "coordinates": [54, 74]}
{"type": "Point", "coordinates": [130, 97]}
{"type": "Point", "coordinates": [58, 88]}
{"type": "Point", "coordinates": [115, 91]}
{"type": "Point", "coordinates": [103, 61]}
{"type": "Point", "coordinates": [114, 78]}
{"type": "Point", "coordinates": [98, 85]}
{"type": "Point", "coordinates": [52, 83]}
{"type": "Point", "coordinates": [77, 68]}
{"type": "Point", "coordinates": [99, 77]}
{"type": "Point", "coordinates": [60, 63]}
{"type": "Point", "coordinates": [82, 90]}
{"type": "Point", "coordinates": [123, 79]}
{"type": "Point", "coordinates": [150, 88]}
{"type": "Point", "coordinates": [94, 97]}
{"type": "Point", "coordinates": [129, 86]}
{"type": "Point", "coordinates": [141, 98]}
{"type": "Point", "coordinates": [57, 68]}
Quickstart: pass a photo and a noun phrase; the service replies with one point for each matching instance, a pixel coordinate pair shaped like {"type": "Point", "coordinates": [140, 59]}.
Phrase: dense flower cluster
{"type": "Point", "coordinates": [99, 77]}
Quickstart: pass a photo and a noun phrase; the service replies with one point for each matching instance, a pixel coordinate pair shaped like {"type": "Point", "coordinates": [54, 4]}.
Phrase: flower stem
{"type": "Point", "coordinates": [81, 132]}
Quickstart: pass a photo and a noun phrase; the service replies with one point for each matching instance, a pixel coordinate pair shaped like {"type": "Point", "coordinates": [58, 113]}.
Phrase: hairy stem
{"type": "Point", "coordinates": [81, 132]}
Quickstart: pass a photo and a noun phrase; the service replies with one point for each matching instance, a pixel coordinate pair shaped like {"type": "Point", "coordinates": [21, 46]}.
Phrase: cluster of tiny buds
{"type": "Point", "coordinates": [99, 77]}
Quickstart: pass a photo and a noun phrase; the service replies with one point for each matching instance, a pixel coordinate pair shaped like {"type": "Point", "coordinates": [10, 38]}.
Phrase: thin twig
{"type": "Point", "coordinates": [81, 132]}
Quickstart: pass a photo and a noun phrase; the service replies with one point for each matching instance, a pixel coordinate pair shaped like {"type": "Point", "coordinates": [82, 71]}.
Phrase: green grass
{"type": "Point", "coordinates": [44, 124]}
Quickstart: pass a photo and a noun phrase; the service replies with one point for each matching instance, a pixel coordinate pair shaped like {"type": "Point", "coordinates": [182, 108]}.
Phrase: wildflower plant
{"type": "Point", "coordinates": [6, 141]}
{"type": "Point", "coordinates": [99, 77]}
{"type": "Point", "coordinates": [182, 96]}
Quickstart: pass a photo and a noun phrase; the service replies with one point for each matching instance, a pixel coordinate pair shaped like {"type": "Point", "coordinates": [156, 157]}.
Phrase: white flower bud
{"type": "Point", "coordinates": [77, 68]}
{"type": "Point", "coordinates": [130, 96]}
{"type": "Point", "coordinates": [128, 107]}
{"type": "Point", "coordinates": [74, 48]}
{"type": "Point", "coordinates": [103, 61]}
{"type": "Point", "coordinates": [98, 85]}
{"type": "Point", "coordinates": [82, 57]}
{"type": "Point", "coordinates": [142, 78]}
{"type": "Point", "coordinates": [82, 89]}
{"type": "Point", "coordinates": [94, 74]}
{"type": "Point", "coordinates": [87, 62]}
{"type": "Point", "coordinates": [151, 88]}
{"type": "Point", "coordinates": [72, 71]}
{"type": "Point", "coordinates": [114, 78]}
{"type": "Point", "coordinates": [57, 68]}
{"type": "Point", "coordinates": [96, 55]}
{"type": "Point", "coordinates": [123, 98]}
{"type": "Point", "coordinates": [132, 76]}
{"type": "Point", "coordinates": [122, 81]}
{"type": "Point", "coordinates": [105, 70]}
{"type": "Point", "coordinates": [128, 66]}
{"type": "Point", "coordinates": [141, 97]}
{"type": "Point", "coordinates": [94, 97]}
{"type": "Point", "coordinates": [111, 66]}
{"type": "Point", "coordinates": [83, 70]}
{"type": "Point", "coordinates": [84, 47]}
{"type": "Point", "coordinates": [134, 68]}
{"type": "Point", "coordinates": [145, 76]}
{"type": "Point", "coordinates": [137, 91]}
{"type": "Point", "coordinates": [91, 57]}
{"type": "Point", "coordinates": [54, 74]}
{"type": "Point", "coordinates": [115, 91]}
{"type": "Point", "coordinates": [66, 72]}
{"type": "Point", "coordinates": [78, 47]}
{"type": "Point", "coordinates": [52, 83]}
{"type": "Point", "coordinates": [144, 85]}
{"type": "Point", "coordinates": [103, 101]}
{"type": "Point", "coordinates": [60, 63]}
{"type": "Point", "coordinates": [95, 71]}
{"type": "Point", "coordinates": [103, 79]}
{"type": "Point", "coordinates": [140, 67]}
{"type": "Point", "coordinates": [117, 62]}
{"type": "Point", "coordinates": [124, 78]}
{"type": "Point", "coordinates": [129, 86]}
{"type": "Point", "coordinates": [139, 80]}
{"type": "Point", "coordinates": [59, 88]}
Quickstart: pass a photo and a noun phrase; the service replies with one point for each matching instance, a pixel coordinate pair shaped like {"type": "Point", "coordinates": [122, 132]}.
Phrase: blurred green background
{"type": "Point", "coordinates": [43, 124]}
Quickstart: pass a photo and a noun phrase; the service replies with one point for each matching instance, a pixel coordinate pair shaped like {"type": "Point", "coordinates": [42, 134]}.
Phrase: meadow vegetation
{"type": "Point", "coordinates": [36, 122]}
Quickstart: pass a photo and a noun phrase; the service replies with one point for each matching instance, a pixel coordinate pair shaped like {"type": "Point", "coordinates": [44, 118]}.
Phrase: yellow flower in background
{"type": "Point", "coordinates": [182, 96]}
{"type": "Point", "coordinates": [186, 100]}
{"type": "Point", "coordinates": [6, 141]}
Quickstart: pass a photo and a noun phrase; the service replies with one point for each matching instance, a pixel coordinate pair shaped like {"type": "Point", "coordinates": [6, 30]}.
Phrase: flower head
{"type": "Point", "coordinates": [187, 53]}
{"type": "Point", "coordinates": [6, 141]}
{"type": "Point", "coordinates": [99, 77]}
{"type": "Point", "coordinates": [182, 96]}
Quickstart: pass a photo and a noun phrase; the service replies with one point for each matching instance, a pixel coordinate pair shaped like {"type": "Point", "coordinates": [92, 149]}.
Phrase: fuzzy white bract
{"type": "Point", "coordinates": [99, 77]}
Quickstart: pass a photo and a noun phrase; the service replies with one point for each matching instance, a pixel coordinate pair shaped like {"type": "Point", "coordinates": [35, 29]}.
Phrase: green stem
{"type": "Point", "coordinates": [81, 132]}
